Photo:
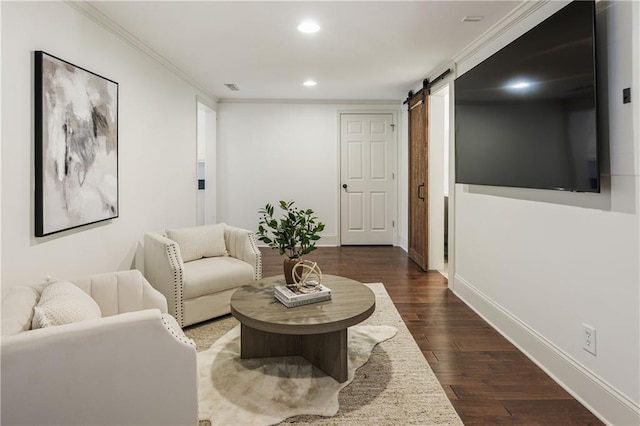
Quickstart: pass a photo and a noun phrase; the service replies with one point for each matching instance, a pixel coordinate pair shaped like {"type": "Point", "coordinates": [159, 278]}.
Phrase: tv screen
{"type": "Point", "coordinates": [526, 116]}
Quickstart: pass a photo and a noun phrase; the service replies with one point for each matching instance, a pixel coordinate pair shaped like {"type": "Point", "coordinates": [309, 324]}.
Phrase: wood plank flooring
{"type": "Point", "coordinates": [486, 378]}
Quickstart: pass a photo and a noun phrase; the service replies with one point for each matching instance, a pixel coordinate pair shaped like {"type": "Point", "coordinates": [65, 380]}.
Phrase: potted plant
{"type": "Point", "coordinates": [294, 235]}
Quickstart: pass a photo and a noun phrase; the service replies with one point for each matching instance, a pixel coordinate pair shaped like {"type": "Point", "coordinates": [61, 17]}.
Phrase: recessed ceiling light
{"type": "Point", "coordinates": [309, 83]}
{"type": "Point", "coordinates": [472, 18]}
{"type": "Point", "coordinates": [308, 27]}
{"type": "Point", "coordinates": [520, 85]}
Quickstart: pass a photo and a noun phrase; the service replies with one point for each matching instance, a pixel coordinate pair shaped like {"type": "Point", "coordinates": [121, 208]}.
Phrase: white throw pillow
{"type": "Point", "coordinates": [199, 241]}
{"type": "Point", "coordinates": [17, 309]}
{"type": "Point", "coordinates": [62, 303]}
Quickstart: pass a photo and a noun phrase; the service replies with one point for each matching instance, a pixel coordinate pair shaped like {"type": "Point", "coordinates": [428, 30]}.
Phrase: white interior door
{"type": "Point", "coordinates": [366, 179]}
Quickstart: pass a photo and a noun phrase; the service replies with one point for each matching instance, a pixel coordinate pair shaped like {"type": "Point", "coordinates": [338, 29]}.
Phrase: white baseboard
{"type": "Point", "coordinates": [604, 401]}
{"type": "Point", "coordinates": [325, 241]}
{"type": "Point", "coordinates": [328, 241]}
{"type": "Point", "coordinates": [332, 241]}
{"type": "Point", "coordinates": [404, 243]}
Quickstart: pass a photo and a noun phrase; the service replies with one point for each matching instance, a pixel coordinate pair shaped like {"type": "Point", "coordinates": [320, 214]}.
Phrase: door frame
{"type": "Point", "coordinates": [435, 243]}
{"type": "Point", "coordinates": [394, 161]}
{"type": "Point", "coordinates": [209, 197]}
{"type": "Point", "coordinates": [451, 274]}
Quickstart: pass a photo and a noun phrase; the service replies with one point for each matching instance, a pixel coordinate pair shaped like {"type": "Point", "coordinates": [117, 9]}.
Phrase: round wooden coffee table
{"type": "Point", "coordinates": [317, 332]}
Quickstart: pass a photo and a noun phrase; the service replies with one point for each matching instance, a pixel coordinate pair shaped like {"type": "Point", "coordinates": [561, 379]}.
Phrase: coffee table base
{"type": "Point", "coordinates": [327, 351]}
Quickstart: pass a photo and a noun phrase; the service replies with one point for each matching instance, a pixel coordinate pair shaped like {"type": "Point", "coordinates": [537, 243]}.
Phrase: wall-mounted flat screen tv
{"type": "Point", "coordinates": [526, 116]}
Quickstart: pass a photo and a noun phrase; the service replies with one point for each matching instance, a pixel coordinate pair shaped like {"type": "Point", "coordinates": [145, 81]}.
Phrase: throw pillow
{"type": "Point", "coordinates": [62, 302]}
{"type": "Point", "coordinates": [199, 241]}
{"type": "Point", "coordinates": [17, 309]}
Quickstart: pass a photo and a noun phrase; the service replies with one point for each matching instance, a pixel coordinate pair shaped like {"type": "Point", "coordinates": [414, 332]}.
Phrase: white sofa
{"type": "Point", "coordinates": [133, 366]}
{"type": "Point", "coordinates": [201, 289]}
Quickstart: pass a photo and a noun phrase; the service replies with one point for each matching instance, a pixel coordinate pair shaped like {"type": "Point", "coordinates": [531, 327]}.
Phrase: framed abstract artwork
{"type": "Point", "coordinates": [76, 146]}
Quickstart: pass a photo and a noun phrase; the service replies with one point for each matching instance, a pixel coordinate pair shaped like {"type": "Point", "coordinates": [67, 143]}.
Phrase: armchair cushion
{"type": "Point", "coordinates": [62, 303]}
{"type": "Point", "coordinates": [199, 241]}
{"type": "Point", "coordinates": [214, 275]}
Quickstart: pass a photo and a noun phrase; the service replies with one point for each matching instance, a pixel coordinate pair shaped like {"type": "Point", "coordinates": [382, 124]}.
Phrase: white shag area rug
{"type": "Point", "coordinates": [394, 385]}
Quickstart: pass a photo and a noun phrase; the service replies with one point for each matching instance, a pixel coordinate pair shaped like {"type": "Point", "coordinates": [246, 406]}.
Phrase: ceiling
{"type": "Point", "coordinates": [365, 50]}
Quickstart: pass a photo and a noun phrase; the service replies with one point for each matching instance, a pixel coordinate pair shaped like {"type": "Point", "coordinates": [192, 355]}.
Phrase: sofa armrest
{"type": "Point", "coordinates": [122, 291]}
{"type": "Point", "coordinates": [164, 268]}
{"type": "Point", "coordinates": [241, 244]}
{"type": "Point", "coordinates": [123, 369]}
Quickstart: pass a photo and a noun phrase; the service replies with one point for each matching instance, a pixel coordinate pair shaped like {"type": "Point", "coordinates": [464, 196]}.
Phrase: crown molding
{"type": "Point", "coordinates": [517, 15]}
{"type": "Point", "coordinates": [510, 20]}
{"type": "Point", "coordinates": [109, 24]}
{"type": "Point", "coordinates": [386, 102]}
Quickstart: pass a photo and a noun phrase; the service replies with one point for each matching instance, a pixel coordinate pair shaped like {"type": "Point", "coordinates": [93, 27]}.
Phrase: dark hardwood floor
{"type": "Point", "coordinates": [486, 378]}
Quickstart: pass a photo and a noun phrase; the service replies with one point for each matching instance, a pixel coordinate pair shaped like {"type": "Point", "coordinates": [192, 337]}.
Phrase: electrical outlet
{"type": "Point", "coordinates": [589, 339]}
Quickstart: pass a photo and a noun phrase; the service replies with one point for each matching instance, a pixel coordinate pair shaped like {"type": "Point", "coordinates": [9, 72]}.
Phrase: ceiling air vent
{"type": "Point", "coordinates": [231, 86]}
{"type": "Point", "coordinates": [472, 18]}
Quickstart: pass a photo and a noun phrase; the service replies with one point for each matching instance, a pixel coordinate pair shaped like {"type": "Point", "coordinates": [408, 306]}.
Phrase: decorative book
{"type": "Point", "coordinates": [291, 297]}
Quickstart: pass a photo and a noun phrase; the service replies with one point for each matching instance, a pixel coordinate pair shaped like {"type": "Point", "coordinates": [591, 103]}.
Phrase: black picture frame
{"type": "Point", "coordinates": [76, 146]}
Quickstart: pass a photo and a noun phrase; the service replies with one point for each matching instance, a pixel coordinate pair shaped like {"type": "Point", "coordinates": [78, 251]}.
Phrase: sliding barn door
{"type": "Point", "coordinates": [418, 181]}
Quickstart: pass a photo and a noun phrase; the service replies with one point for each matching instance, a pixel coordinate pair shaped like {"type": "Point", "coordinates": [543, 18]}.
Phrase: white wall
{"type": "Point", "coordinates": [157, 145]}
{"type": "Point", "coordinates": [403, 183]}
{"type": "Point", "coordinates": [201, 153]}
{"type": "Point", "coordinates": [1, 117]}
{"type": "Point", "coordinates": [437, 108]}
{"type": "Point", "coordinates": [539, 264]}
{"type": "Point", "coordinates": [210, 168]}
{"type": "Point", "coordinates": [206, 198]}
{"type": "Point", "coordinates": [635, 96]}
{"type": "Point", "coordinates": [281, 151]}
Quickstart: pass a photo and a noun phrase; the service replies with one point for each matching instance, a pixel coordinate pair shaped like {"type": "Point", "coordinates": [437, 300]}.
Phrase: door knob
{"type": "Point", "coordinates": [344, 185]}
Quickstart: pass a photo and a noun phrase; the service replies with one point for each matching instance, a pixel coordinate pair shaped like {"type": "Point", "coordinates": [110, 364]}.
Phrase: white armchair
{"type": "Point", "coordinates": [133, 366]}
{"type": "Point", "coordinates": [200, 289]}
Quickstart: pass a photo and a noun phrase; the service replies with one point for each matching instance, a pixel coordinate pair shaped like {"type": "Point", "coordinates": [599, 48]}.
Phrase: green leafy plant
{"type": "Point", "coordinates": [295, 234]}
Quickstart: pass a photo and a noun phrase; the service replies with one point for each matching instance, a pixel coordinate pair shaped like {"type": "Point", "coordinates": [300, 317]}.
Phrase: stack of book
{"type": "Point", "coordinates": [290, 298]}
